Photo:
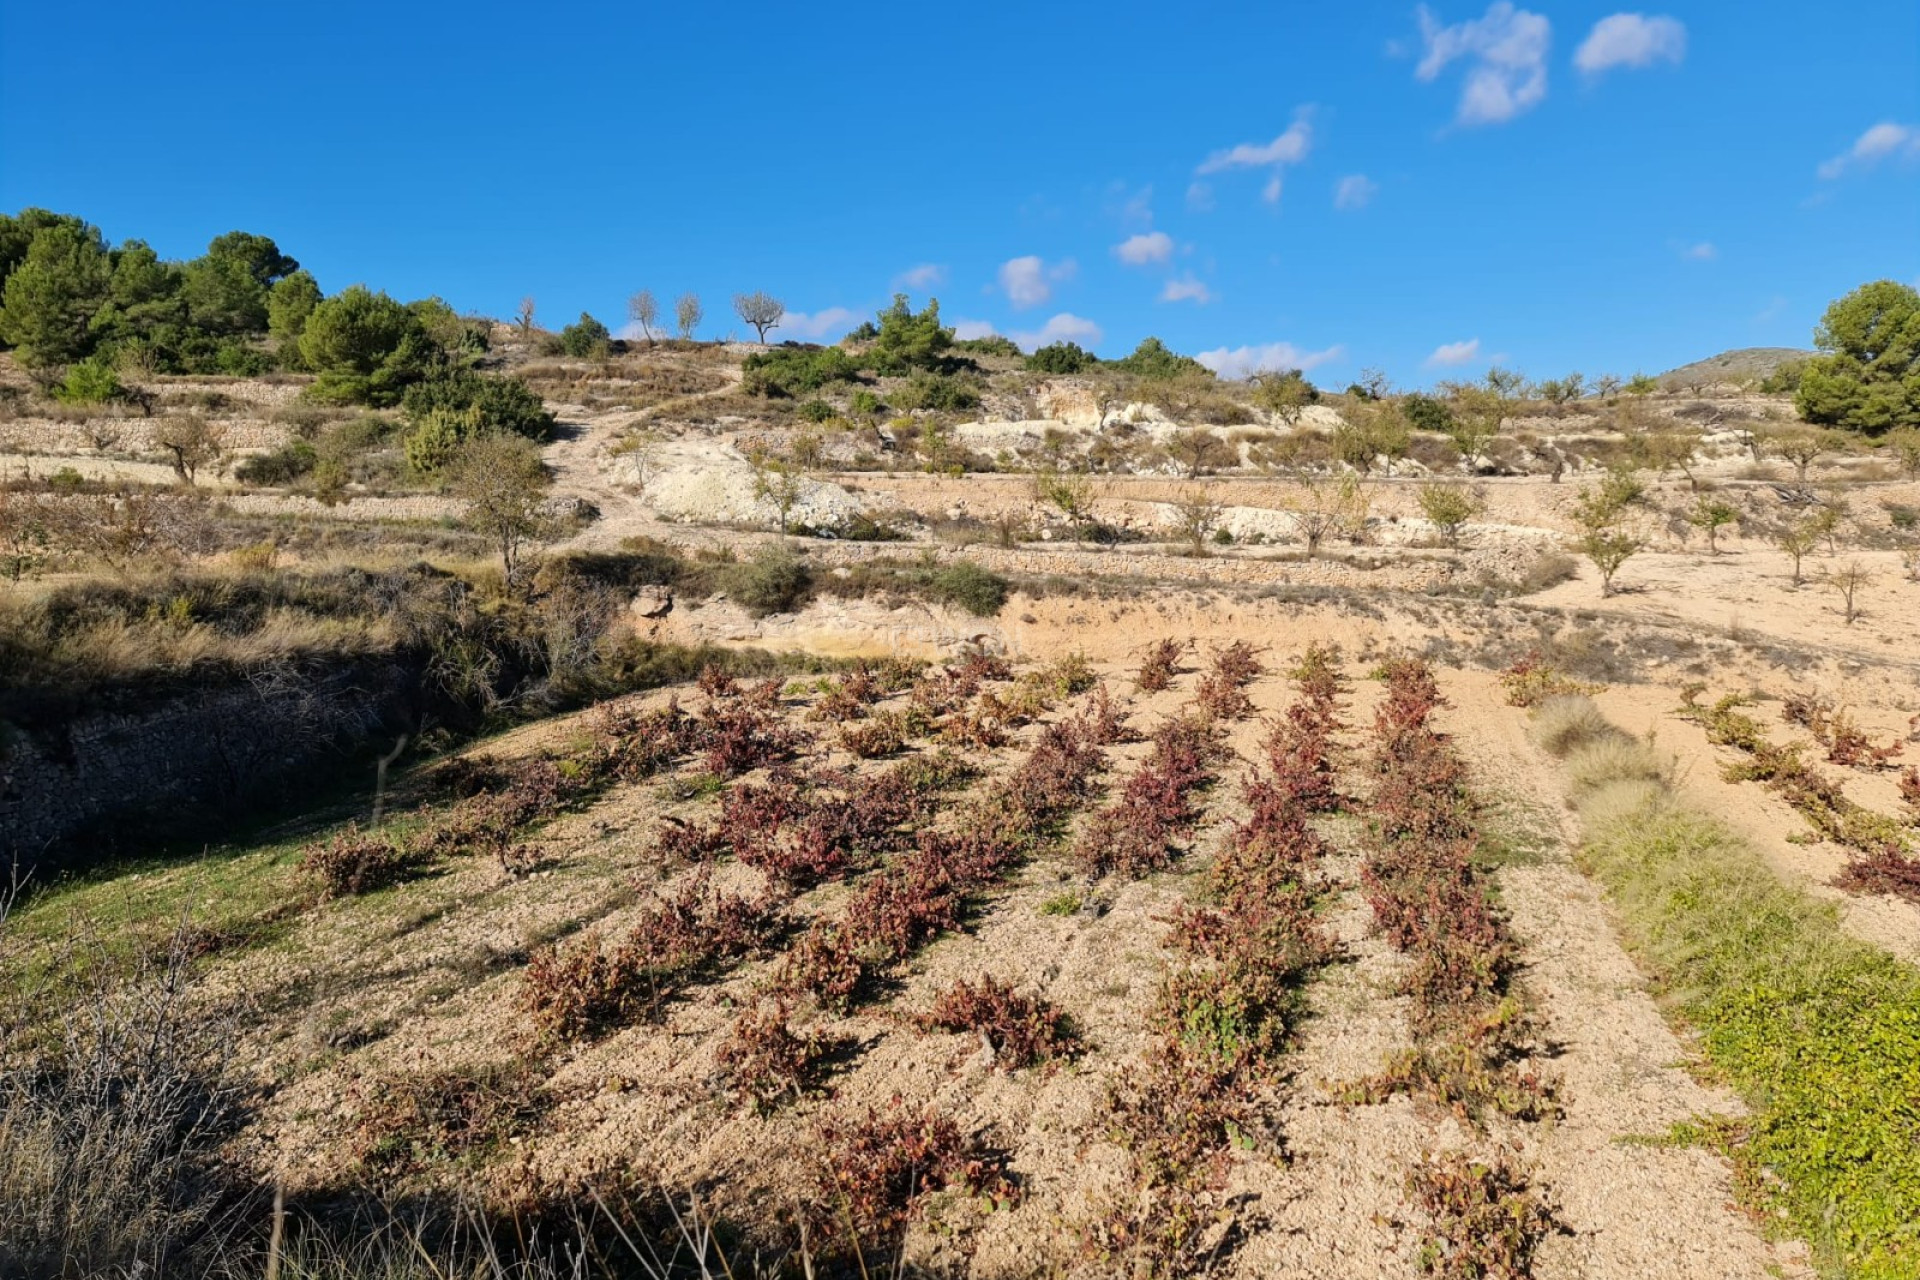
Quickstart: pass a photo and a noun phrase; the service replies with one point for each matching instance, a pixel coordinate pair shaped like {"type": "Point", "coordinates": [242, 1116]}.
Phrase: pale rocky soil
{"type": "Point", "coordinates": [426, 976]}
{"type": "Point", "coordinates": [419, 979]}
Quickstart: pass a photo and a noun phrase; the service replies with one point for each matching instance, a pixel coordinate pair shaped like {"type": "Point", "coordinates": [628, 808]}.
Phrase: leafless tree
{"type": "Point", "coordinates": [687, 314]}
{"type": "Point", "coordinates": [644, 311]}
{"type": "Point", "coordinates": [524, 317]}
{"type": "Point", "coordinates": [1847, 580]}
{"type": "Point", "coordinates": [193, 443]}
{"type": "Point", "coordinates": [1197, 513]}
{"type": "Point", "coordinates": [762, 311]}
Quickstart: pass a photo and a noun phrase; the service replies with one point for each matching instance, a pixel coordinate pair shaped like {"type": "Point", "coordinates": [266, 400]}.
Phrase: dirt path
{"type": "Point", "coordinates": [1628, 1207]}
{"type": "Point", "coordinates": [583, 466]}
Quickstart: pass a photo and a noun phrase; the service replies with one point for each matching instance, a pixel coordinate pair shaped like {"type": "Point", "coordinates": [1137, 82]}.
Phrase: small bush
{"type": "Point", "coordinates": [1485, 1221]}
{"type": "Point", "coordinates": [876, 1168]}
{"type": "Point", "coordinates": [1617, 758]}
{"type": "Point", "coordinates": [937, 391]}
{"type": "Point", "coordinates": [1021, 1031]}
{"type": "Point", "coordinates": [979, 591]}
{"type": "Point", "coordinates": [1160, 666]}
{"type": "Point", "coordinates": [1565, 722]}
{"type": "Point", "coordinates": [774, 581]}
{"type": "Point", "coordinates": [767, 1062]}
{"type": "Point", "coordinates": [353, 862]}
{"type": "Point", "coordinates": [89, 382]}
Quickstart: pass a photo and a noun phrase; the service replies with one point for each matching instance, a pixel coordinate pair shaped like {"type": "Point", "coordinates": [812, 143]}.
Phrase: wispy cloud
{"type": "Point", "coordinates": [1701, 252]}
{"type": "Point", "coordinates": [813, 326]}
{"type": "Point", "coordinates": [1449, 354]}
{"type": "Point", "coordinates": [1290, 147]}
{"type": "Point", "coordinates": [927, 275]}
{"type": "Point", "coordinates": [1631, 40]}
{"type": "Point", "coordinates": [1138, 251]}
{"type": "Point", "coordinates": [1272, 357]}
{"type": "Point", "coordinates": [1029, 281]}
{"type": "Point", "coordinates": [1886, 140]}
{"type": "Point", "coordinates": [1506, 49]}
{"type": "Point", "coordinates": [1772, 311]}
{"type": "Point", "coordinates": [1130, 208]}
{"type": "Point", "coordinates": [1200, 197]}
{"type": "Point", "coordinates": [1065, 327]}
{"type": "Point", "coordinates": [1187, 289]}
{"type": "Point", "coordinates": [1355, 191]}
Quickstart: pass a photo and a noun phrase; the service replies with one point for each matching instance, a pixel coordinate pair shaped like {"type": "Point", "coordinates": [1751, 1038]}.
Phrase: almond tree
{"type": "Point", "coordinates": [644, 311]}
{"type": "Point", "coordinates": [1605, 537]}
{"type": "Point", "coordinates": [762, 311]}
{"type": "Point", "coordinates": [1710, 515]}
{"type": "Point", "coordinates": [687, 314]}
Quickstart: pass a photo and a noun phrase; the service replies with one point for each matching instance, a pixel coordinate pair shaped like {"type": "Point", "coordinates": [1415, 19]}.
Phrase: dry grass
{"type": "Point", "coordinates": [1563, 724]}
{"type": "Point", "coordinates": [1616, 758]}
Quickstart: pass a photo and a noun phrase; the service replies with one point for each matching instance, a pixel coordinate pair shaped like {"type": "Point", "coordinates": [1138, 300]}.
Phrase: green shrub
{"type": "Point", "coordinates": [816, 411]}
{"type": "Point", "coordinates": [502, 404]}
{"type": "Point", "coordinates": [791, 372]}
{"type": "Point", "coordinates": [990, 345]}
{"type": "Point", "coordinates": [1152, 360]}
{"type": "Point", "coordinates": [907, 340]}
{"type": "Point", "coordinates": [1424, 413]}
{"type": "Point", "coordinates": [283, 466]}
{"type": "Point", "coordinates": [434, 443]}
{"type": "Point", "coordinates": [937, 391]}
{"type": "Point", "coordinates": [1062, 357]}
{"type": "Point", "coordinates": [92, 381]}
{"type": "Point", "coordinates": [979, 591]}
{"type": "Point", "coordinates": [865, 402]}
{"type": "Point", "coordinates": [586, 338]}
{"type": "Point", "coordinates": [774, 581]}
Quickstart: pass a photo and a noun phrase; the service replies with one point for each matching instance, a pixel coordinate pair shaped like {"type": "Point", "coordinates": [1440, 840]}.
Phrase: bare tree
{"type": "Point", "coordinates": [1197, 514]}
{"type": "Point", "coordinates": [1847, 580]}
{"type": "Point", "coordinates": [1449, 507]}
{"type": "Point", "coordinates": [524, 317]}
{"type": "Point", "coordinates": [687, 314]}
{"type": "Point", "coordinates": [1801, 448]}
{"type": "Point", "coordinates": [644, 311]}
{"type": "Point", "coordinates": [1797, 538]}
{"type": "Point", "coordinates": [1069, 492]}
{"type": "Point", "coordinates": [1328, 506]}
{"type": "Point", "coordinates": [502, 481]}
{"type": "Point", "coordinates": [193, 443]}
{"type": "Point", "coordinates": [25, 534]}
{"type": "Point", "coordinates": [1710, 515]}
{"type": "Point", "coordinates": [780, 481]}
{"type": "Point", "coordinates": [1198, 450]}
{"type": "Point", "coordinates": [762, 311]}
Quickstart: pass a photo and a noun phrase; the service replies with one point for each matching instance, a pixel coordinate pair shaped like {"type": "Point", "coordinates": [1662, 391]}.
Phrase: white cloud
{"type": "Point", "coordinates": [1878, 143]}
{"type": "Point", "coordinates": [1289, 148]}
{"type": "Point", "coordinates": [1448, 354]}
{"type": "Point", "coordinates": [1187, 289]}
{"type": "Point", "coordinates": [1507, 48]}
{"type": "Point", "coordinates": [925, 276]}
{"type": "Point", "coordinates": [1772, 310]}
{"type": "Point", "coordinates": [1702, 252]}
{"type": "Point", "coordinates": [1065, 327]}
{"type": "Point", "coordinates": [1631, 40]}
{"type": "Point", "coordinates": [834, 321]}
{"type": "Point", "coordinates": [1138, 251]}
{"type": "Point", "coordinates": [973, 329]}
{"type": "Point", "coordinates": [1028, 281]}
{"type": "Point", "coordinates": [1354, 191]}
{"type": "Point", "coordinates": [1239, 362]}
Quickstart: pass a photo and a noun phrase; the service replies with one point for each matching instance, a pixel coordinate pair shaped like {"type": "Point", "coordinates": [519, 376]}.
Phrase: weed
{"type": "Point", "coordinates": [353, 862]}
{"type": "Point", "coordinates": [1160, 666]}
{"type": "Point", "coordinates": [877, 1168]}
{"type": "Point", "coordinates": [767, 1062]}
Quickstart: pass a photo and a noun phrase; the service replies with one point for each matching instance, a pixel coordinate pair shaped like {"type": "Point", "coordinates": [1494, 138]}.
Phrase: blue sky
{"type": "Point", "coordinates": [1555, 186]}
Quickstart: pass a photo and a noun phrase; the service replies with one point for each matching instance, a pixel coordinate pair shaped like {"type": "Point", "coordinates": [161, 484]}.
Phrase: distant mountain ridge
{"type": "Point", "coordinates": [1733, 366]}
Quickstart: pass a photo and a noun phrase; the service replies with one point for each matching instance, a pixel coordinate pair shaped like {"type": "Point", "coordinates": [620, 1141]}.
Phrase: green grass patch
{"type": "Point", "coordinates": [1818, 1031]}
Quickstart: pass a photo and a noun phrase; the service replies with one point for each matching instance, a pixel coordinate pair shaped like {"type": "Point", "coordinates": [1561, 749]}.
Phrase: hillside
{"type": "Point", "coordinates": [1735, 366]}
